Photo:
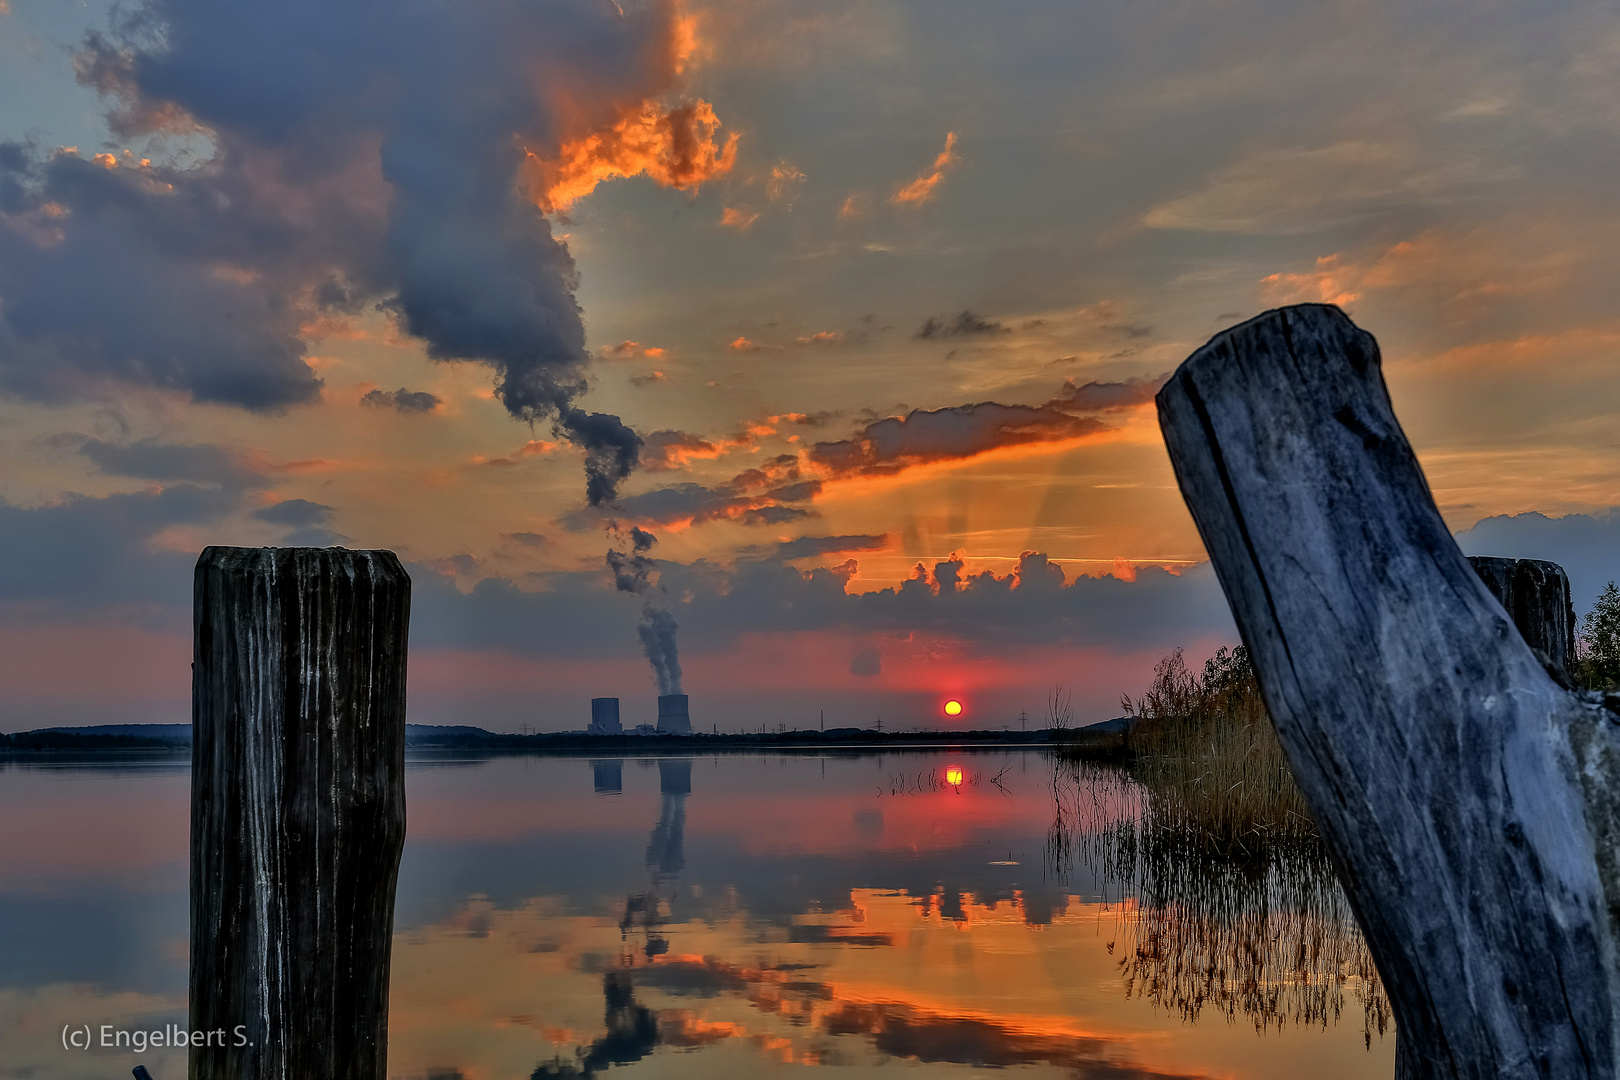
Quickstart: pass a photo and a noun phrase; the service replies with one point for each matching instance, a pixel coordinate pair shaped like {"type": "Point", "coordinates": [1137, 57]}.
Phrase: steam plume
{"type": "Point", "coordinates": [364, 154]}
{"type": "Point", "coordinates": [632, 573]}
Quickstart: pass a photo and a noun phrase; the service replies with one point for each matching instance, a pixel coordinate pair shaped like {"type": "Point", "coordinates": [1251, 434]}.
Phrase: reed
{"type": "Point", "coordinates": [1260, 933]}
{"type": "Point", "coordinates": [1203, 746]}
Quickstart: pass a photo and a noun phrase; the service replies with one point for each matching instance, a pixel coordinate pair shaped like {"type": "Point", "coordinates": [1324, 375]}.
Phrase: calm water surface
{"type": "Point", "coordinates": [739, 916]}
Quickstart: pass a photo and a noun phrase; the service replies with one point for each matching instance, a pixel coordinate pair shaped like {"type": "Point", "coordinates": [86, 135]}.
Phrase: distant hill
{"type": "Point", "coordinates": [170, 737]}
{"type": "Point", "coordinates": [168, 732]}
{"type": "Point", "coordinates": [417, 734]}
{"type": "Point", "coordinates": [174, 737]}
{"type": "Point", "coordinates": [180, 735]}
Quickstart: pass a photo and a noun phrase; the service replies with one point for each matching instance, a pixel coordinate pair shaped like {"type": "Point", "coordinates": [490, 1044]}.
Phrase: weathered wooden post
{"type": "Point", "coordinates": [297, 810]}
{"type": "Point", "coordinates": [1471, 805]}
{"type": "Point", "coordinates": [1535, 594]}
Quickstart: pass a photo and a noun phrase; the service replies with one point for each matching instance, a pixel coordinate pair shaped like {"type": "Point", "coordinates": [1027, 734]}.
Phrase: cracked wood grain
{"type": "Point", "coordinates": [298, 809]}
{"type": "Point", "coordinates": [1468, 801]}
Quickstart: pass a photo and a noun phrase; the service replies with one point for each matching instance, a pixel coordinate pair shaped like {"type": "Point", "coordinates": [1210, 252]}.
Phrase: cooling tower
{"type": "Point", "coordinates": [605, 716]}
{"type": "Point", "coordinates": [673, 718]}
{"type": "Point", "coordinates": [609, 776]}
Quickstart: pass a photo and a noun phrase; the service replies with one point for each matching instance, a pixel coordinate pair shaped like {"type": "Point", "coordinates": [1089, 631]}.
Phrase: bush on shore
{"type": "Point", "coordinates": [1204, 747]}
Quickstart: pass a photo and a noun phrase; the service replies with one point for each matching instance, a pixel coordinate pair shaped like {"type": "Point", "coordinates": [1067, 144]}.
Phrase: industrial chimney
{"type": "Point", "coordinates": [605, 717]}
{"type": "Point", "coordinates": [673, 718]}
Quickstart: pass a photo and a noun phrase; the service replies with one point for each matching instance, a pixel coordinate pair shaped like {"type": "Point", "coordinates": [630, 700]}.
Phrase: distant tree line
{"type": "Point", "coordinates": [74, 740]}
{"type": "Point", "coordinates": [1598, 649]}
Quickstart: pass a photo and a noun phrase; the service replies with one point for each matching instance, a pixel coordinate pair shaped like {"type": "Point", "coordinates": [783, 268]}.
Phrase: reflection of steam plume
{"type": "Point", "coordinates": [632, 573]}
{"type": "Point", "coordinates": [666, 857]}
{"type": "Point", "coordinates": [666, 850]}
{"type": "Point", "coordinates": [632, 1033]}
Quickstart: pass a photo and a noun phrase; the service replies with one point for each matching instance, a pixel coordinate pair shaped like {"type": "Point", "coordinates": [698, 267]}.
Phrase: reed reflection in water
{"type": "Point", "coordinates": [1262, 932]}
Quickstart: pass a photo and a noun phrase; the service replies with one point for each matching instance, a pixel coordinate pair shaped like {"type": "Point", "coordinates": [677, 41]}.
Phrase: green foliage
{"type": "Point", "coordinates": [1599, 658]}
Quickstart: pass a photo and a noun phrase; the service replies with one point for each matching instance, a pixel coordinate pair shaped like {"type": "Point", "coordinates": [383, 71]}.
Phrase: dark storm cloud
{"type": "Point", "coordinates": [965, 324]}
{"type": "Point", "coordinates": [362, 152]}
{"type": "Point", "coordinates": [808, 546]}
{"type": "Point", "coordinates": [132, 275]}
{"type": "Point", "coordinates": [896, 443]}
{"type": "Point", "coordinates": [86, 555]}
{"type": "Point", "coordinates": [773, 493]}
{"type": "Point", "coordinates": [762, 495]}
{"type": "Point", "coordinates": [663, 451]}
{"type": "Point", "coordinates": [695, 504]}
{"type": "Point", "coordinates": [149, 459]}
{"type": "Point", "coordinates": [1033, 605]}
{"type": "Point", "coordinates": [1104, 396]}
{"type": "Point", "coordinates": [410, 402]}
{"type": "Point", "coordinates": [1587, 546]}
{"type": "Point", "coordinates": [295, 512]}
{"type": "Point", "coordinates": [526, 539]}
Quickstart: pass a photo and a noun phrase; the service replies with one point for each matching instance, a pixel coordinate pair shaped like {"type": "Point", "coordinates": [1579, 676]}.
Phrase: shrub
{"type": "Point", "coordinates": [1204, 747]}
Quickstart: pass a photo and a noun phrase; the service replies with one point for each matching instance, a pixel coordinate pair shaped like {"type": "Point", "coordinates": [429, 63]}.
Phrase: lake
{"type": "Point", "coordinates": [734, 916]}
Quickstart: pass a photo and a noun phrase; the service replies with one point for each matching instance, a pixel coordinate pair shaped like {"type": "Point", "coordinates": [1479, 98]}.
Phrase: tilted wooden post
{"type": "Point", "coordinates": [297, 810]}
{"type": "Point", "coordinates": [1469, 803]}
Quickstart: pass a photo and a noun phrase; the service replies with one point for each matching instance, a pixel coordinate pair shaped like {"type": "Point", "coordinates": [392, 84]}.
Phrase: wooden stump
{"type": "Point", "coordinates": [1536, 596]}
{"type": "Point", "coordinates": [297, 810]}
{"type": "Point", "coordinates": [1469, 802]}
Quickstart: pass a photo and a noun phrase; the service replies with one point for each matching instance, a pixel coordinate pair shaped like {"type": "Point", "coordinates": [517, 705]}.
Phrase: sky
{"type": "Point", "coordinates": [836, 323]}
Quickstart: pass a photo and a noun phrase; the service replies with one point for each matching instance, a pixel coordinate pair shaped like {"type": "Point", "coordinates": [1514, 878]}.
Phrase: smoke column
{"type": "Point", "coordinates": [361, 155]}
{"type": "Point", "coordinates": [632, 573]}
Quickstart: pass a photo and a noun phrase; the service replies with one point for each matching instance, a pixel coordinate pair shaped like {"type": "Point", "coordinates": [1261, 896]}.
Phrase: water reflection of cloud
{"type": "Point", "coordinates": [742, 993]}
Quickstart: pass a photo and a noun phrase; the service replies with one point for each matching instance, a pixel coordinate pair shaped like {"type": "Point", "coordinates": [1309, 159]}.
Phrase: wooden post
{"type": "Point", "coordinates": [1468, 802]}
{"type": "Point", "coordinates": [297, 810]}
{"type": "Point", "coordinates": [1536, 596]}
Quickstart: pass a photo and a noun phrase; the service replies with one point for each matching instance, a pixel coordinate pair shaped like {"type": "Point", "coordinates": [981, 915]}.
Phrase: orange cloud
{"type": "Point", "coordinates": [738, 218]}
{"type": "Point", "coordinates": [782, 181]}
{"type": "Point", "coordinates": [1330, 283]}
{"type": "Point", "coordinates": [663, 451]}
{"type": "Point", "coordinates": [1461, 272]}
{"type": "Point", "coordinates": [852, 207]}
{"type": "Point", "coordinates": [674, 147]}
{"type": "Point", "coordinates": [921, 189]}
{"type": "Point", "coordinates": [625, 350]}
{"type": "Point", "coordinates": [324, 327]}
{"type": "Point", "coordinates": [529, 449]}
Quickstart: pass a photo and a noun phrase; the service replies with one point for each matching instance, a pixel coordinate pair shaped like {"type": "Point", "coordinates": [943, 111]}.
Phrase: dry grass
{"type": "Point", "coordinates": [1228, 900]}
{"type": "Point", "coordinates": [1203, 746]}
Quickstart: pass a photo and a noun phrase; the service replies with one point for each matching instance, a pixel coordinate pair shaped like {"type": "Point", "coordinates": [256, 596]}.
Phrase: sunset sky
{"type": "Point", "coordinates": [883, 289]}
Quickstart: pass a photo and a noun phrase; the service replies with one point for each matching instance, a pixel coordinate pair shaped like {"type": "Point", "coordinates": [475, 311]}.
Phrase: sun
{"type": "Point", "coordinates": [953, 708]}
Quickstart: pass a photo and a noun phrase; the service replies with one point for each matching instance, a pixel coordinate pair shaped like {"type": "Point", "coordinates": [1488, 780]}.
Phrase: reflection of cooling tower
{"type": "Point", "coordinates": [673, 719]}
{"type": "Point", "coordinates": [665, 855]}
{"type": "Point", "coordinates": [605, 716]}
{"type": "Point", "coordinates": [675, 777]}
{"type": "Point", "coordinates": [609, 776]}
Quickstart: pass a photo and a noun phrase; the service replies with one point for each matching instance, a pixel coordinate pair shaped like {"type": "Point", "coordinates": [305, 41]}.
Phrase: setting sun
{"type": "Point", "coordinates": [953, 776]}
{"type": "Point", "coordinates": [953, 708]}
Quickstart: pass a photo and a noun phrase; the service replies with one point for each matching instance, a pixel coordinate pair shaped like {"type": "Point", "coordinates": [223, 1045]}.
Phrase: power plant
{"type": "Point", "coordinates": [605, 717]}
{"type": "Point", "coordinates": [673, 718]}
